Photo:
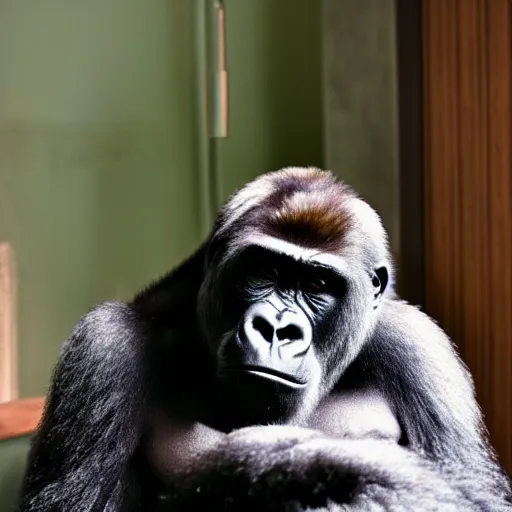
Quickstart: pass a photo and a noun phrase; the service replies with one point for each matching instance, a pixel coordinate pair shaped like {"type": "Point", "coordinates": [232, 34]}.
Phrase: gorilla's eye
{"type": "Point", "coordinates": [315, 285]}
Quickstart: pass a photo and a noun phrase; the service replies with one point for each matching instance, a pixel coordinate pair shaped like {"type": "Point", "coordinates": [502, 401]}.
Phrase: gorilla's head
{"type": "Point", "coordinates": [295, 270]}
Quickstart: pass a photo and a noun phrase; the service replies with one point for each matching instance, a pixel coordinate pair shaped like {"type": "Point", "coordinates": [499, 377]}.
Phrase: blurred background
{"type": "Point", "coordinates": [125, 124]}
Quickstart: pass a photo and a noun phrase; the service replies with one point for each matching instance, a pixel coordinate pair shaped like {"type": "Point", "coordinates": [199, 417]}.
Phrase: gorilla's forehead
{"type": "Point", "coordinates": [307, 213]}
{"type": "Point", "coordinates": [307, 207]}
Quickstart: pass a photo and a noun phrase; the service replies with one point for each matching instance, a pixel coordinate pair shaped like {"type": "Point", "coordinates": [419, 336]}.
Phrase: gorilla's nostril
{"type": "Point", "coordinates": [290, 332]}
{"type": "Point", "coordinates": [263, 327]}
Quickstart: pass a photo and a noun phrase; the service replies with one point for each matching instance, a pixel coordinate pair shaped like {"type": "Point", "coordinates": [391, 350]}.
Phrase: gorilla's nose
{"type": "Point", "coordinates": [289, 332]}
{"type": "Point", "coordinates": [261, 325]}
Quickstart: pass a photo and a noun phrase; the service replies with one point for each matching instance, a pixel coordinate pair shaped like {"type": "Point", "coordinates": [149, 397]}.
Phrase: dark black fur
{"type": "Point", "coordinates": [122, 360]}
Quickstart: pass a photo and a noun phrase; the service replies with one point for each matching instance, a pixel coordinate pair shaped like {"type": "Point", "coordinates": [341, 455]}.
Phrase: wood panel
{"type": "Point", "coordinates": [20, 417]}
{"type": "Point", "coordinates": [8, 338]}
{"type": "Point", "coordinates": [468, 193]}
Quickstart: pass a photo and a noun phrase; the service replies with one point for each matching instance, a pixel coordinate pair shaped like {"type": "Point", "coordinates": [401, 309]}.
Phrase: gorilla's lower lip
{"type": "Point", "coordinates": [269, 373]}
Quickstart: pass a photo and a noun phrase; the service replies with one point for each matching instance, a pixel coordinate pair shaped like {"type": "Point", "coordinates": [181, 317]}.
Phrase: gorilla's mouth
{"type": "Point", "coordinates": [269, 373]}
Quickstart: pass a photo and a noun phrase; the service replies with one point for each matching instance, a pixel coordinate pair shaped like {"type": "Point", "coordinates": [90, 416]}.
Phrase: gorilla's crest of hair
{"type": "Point", "coordinates": [308, 207]}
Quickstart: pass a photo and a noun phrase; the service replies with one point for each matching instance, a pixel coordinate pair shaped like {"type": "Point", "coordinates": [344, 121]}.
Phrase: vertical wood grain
{"type": "Point", "coordinates": [441, 86]}
{"type": "Point", "coordinates": [468, 193]}
{"type": "Point", "coordinates": [8, 347]}
{"type": "Point", "coordinates": [500, 224]}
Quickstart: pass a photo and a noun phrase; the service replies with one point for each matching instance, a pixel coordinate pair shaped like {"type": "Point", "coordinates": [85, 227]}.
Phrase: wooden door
{"type": "Point", "coordinates": [468, 193]}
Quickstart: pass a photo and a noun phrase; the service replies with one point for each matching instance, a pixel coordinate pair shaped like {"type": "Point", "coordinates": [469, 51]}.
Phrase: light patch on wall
{"type": "Point", "coordinates": [360, 102]}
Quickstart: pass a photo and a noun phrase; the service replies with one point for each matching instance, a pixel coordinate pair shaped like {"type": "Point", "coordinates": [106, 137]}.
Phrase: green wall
{"type": "Point", "coordinates": [101, 141]}
{"type": "Point", "coordinates": [12, 463]}
{"type": "Point", "coordinates": [275, 69]}
{"type": "Point", "coordinates": [361, 142]}
{"type": "Point", "coordinates": [97, 157]}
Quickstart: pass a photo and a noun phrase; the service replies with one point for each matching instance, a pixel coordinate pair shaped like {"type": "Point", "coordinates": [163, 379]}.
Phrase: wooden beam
{"type": "Point", "coordinates": [8, 334]}
{"type": "Point", "coordinates": [411, 256]}
{"type": "Point", "coordinates": [20, 417]}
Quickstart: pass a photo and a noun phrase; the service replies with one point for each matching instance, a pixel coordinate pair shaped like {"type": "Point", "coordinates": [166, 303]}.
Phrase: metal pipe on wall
{"type": "Point", "coordinates": [212, 102]}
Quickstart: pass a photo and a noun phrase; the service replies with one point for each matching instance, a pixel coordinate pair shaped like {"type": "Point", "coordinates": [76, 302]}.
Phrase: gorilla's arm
{"type": "Point", "coordinates": [171, 442]}
{"type": "Point", "coordinates": [286, 468]}
{"type": "Point", "coordinates": [413, 363]}
{"type": "Point", "coordinates": [79, 458]}
{"type": "Point", "coordinates": [356, 414]}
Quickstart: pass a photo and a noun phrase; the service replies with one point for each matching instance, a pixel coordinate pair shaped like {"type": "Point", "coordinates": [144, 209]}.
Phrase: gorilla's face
{"type": "Point", "coordinates": [281, 306]}
{"type": "Point", "coordinates": [274, 328]}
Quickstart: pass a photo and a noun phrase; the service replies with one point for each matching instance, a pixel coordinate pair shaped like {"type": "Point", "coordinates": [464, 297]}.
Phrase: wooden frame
{"type": "Point", "coordinates": [20, 417]}
{"type": "Point", "coordinates": [8, 335]}
{"type": "Point", "coordinates": [17, 417]}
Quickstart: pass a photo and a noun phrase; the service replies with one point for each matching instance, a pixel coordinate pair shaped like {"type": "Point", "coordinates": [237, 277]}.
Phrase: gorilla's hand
{"type": "Point", "coordinates": [284, 468]}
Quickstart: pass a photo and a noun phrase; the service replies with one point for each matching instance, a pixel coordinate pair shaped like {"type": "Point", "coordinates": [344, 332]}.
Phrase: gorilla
{"type": "Point", "coordinates": [275, 369]}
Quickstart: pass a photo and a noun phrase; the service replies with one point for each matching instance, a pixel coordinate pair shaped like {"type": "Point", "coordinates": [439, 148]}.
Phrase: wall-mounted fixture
{"type": "Point", "coordinates": [218, 74]}
{"type": "Point", "coordinates": [213, 101]}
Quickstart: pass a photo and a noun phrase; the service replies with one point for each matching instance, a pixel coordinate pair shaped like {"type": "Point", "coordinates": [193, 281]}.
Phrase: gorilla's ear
{"type": "Point", "coordinates": [383, 275]}
{"type": "Point", "coordinates": [380, 281]}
